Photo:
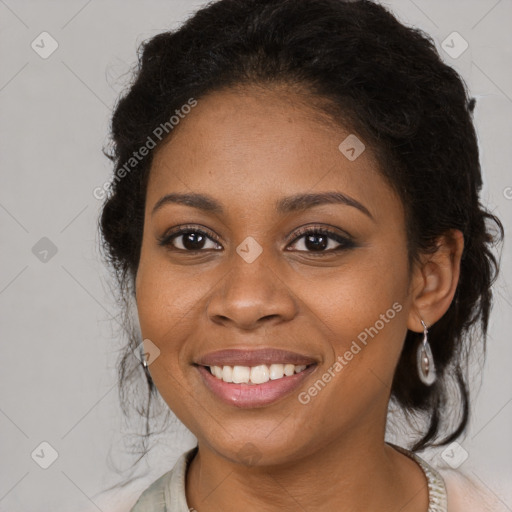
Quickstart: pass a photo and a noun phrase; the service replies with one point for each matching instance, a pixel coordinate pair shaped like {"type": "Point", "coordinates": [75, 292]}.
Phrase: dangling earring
{"type": "Point", "coordinates": [143, 356]}
{"type": "Point", "coordinates": [425, 360]}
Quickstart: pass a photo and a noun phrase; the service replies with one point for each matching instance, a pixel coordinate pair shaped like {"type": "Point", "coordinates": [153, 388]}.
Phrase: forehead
{"type": "Point", "coordinates": [250, 145]}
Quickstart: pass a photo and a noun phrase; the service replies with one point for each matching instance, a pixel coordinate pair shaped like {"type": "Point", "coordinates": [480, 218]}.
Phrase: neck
{"type": "Point", "coordinates": [360, 473]}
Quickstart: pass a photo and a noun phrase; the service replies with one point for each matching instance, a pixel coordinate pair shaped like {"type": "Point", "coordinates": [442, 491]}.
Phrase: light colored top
{"type": "Point", "coordinates": [167, 494]}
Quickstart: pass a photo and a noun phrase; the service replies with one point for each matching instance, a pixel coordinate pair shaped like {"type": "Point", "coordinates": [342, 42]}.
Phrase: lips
{"type": "Point", "coordinates": [237, 357]}
{"type": "Point", "coordinates": [252, 395]}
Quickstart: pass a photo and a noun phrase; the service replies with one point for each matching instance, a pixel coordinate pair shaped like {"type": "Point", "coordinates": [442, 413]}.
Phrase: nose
{"type": "Point", "coordinates": [252, 295]}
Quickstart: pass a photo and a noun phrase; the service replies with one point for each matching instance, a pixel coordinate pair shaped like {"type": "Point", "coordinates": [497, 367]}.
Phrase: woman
{"type": "Point", "coordinates": [295, 211]}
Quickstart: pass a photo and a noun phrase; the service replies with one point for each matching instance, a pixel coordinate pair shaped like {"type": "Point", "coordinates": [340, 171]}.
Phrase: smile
{"type": "Point", "coordinates": [255, 374]}
{"type": "Point", "coordinates": [254, 377]}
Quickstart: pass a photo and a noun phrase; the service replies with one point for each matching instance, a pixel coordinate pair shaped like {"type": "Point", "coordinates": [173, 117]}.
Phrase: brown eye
{"type": "Point", "coordinates": [189, 240]}
{"type": "Point", "coordinates": [321, 240]}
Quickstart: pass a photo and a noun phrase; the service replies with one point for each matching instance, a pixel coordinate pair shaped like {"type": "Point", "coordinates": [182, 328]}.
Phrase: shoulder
{"type": "Point", "coordinates": [456, 490]}
{"type": "Point", "coordinates": [167, 493]}
{"type": "Point", "coordinates": [153, 498]}
{"type": "Point", "coordinates": [466, 494]}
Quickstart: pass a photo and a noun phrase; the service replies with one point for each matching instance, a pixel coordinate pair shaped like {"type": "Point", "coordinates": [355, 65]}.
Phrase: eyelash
{"type": "Point", "coordinates": [345, 242]}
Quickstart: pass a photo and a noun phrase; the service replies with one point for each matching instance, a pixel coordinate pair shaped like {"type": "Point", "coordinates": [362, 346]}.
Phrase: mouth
{"type": "Point", "coordinates": [253, 378]}
{"type": "Point", "coordinates": [255, 375]}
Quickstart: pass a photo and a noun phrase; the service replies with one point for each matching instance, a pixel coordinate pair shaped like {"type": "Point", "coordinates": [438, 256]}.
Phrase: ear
{"type": "Point", "coordinates": [435, 280]}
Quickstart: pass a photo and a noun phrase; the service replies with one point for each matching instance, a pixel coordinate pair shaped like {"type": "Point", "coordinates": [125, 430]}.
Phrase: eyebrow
{"type": "Point", "coordinates": [298, 202]}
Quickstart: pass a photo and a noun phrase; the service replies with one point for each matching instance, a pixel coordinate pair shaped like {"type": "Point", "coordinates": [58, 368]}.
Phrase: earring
{"type": "Point", "coordinates": [143, 356]}
{"type": "Point", "coordinates": [425, 360]}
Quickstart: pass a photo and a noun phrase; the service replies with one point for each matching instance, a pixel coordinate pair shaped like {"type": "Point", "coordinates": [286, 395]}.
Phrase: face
{"type": "Point", "coordinates": [293, 254]}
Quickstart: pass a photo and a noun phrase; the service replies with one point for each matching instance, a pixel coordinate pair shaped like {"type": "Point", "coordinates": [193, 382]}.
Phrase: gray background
{"type": "Point", "coordinates": [59, 346]}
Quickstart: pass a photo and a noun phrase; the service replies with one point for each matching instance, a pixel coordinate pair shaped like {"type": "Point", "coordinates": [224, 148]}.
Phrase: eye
{"type": "Point", "coordinates": [320, 240]}
{"type": "Point", "coordinates": [312, 240]}
{"type": "Point", "coordinates": [189, 239]}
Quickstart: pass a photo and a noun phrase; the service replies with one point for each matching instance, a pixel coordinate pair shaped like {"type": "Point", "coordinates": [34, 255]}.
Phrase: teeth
{"type": "Point", "coordinates": [259, 374]}
{"type": "Point", "coordinates": [255, 374]}
{"type": "Point", "coordinates": [289, 369]}
{"type": "Point", "coordinates": [227, 373]}
{"type": "Point", "coordinates": [240, 374]}
{"type": "Point", "coordinates": [217, 371]}
{"type": "Point", "coordinates": [276, 371]}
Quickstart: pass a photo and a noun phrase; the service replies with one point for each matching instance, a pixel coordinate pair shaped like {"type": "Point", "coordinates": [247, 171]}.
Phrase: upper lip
{"type": "Point", "coordinates": [241, 357]}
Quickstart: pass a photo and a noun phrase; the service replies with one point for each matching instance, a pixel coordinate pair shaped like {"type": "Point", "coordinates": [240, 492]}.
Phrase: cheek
{"type": "Point", "coordinates": [363, 306]}
{"type": "Point", "coordinates": [166, 299]}
{"type": "Point", "coordinates": [167, 303]}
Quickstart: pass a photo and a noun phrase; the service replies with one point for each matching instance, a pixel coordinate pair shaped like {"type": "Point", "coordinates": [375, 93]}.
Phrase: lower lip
{"type": "Point", "coordinates": [253, 395]}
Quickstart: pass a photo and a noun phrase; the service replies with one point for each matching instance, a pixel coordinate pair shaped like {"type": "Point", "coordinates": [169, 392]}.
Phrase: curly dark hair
{"type": "Point", "coordinates": [367, 72]}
